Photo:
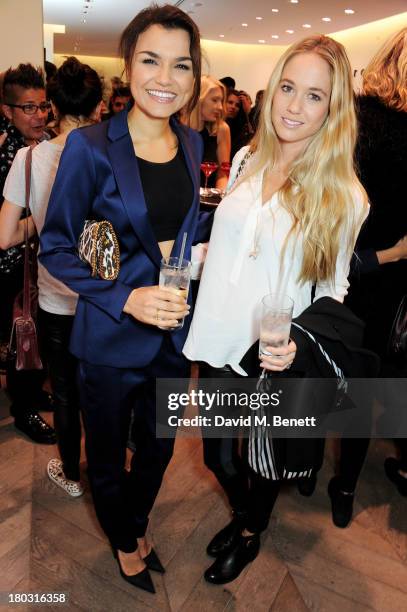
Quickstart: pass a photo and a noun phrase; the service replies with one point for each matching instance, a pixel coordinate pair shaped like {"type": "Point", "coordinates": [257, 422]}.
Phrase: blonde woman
{"type": "Point", "coordinates": [288, 223]}
{"type": "Point", "coordinates": [207, 118]}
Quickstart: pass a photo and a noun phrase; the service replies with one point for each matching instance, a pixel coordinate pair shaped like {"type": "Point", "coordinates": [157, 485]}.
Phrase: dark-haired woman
{"type": "Point", "coordinates": [139, 170]}
{"type": "Point", "coordinates": [75, 92]}
{"type": "Point", "coordinates": [237, 118]}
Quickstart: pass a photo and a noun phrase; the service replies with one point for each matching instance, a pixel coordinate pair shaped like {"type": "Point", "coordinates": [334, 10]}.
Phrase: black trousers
{"type": "Point", "coordinates": [24, 386]}
{"type": "Point", "coordinates": [108, 396]}
{"type": "Point", "coordinates": [247, 492]}
{"type": "Point", "coordinates": [55, 332]}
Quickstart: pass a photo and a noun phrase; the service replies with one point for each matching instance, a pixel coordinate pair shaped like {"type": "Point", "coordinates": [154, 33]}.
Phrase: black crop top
{"type": "Point", "coordinates": [168, 192]}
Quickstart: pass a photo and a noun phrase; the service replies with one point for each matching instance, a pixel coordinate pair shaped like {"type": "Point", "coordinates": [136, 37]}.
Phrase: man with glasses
{"type": "Point", "coordinates": [119, 98]}
{"type": "Point", "coordinates": [23, 120]}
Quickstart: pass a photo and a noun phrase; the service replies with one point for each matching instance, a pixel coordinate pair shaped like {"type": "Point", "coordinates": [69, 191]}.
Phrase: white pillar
{"type": "Point", "coordinates": [21, 33]}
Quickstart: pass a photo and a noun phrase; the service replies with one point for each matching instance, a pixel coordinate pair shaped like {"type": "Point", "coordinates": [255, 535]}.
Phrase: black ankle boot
{"type": "Point", "coordinates": [226, 537]}
{"type": "Point", "coordinates": [230, 564]}
{"type": "Point", "coordinates": [306, 486]}
{"type": "Point", "coordinates": [341, 502]}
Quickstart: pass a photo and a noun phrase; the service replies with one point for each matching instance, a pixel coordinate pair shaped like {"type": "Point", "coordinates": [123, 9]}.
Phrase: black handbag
{"type": "Point", "coordinates": [398, 335]}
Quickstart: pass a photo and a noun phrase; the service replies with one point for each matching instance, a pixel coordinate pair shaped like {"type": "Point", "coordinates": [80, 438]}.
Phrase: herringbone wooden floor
{"type": "Point", "coordinates": [50, 542]}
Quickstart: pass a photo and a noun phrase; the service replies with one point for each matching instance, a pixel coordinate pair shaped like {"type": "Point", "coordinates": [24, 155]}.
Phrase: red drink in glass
{"type": "Point", "coordinates": [225, 167]}
{"type": "Point", "coordinates": [207, 168]}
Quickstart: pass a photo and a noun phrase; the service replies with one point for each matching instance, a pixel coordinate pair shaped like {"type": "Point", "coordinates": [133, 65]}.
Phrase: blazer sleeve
{"type": "Point", "coordinates": [69, 206]}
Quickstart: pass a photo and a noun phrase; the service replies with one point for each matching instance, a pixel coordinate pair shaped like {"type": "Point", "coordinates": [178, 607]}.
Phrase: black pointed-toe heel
{"type": "Point", "coordinates": [141, 580]}
{"type": "Point", "coordinates": [153, 562]}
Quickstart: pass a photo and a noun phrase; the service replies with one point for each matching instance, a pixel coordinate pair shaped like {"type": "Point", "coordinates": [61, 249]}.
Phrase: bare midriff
{"type": "Point", "coordinates": [166, 247]}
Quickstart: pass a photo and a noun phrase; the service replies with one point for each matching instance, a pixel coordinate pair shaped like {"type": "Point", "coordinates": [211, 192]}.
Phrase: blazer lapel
{"type": "Point", "coordinates": [123, 160]}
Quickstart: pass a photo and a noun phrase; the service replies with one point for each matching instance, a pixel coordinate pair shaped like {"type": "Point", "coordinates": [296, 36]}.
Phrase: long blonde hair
{"type": "Point", "coordinates": [320, 190]}
{"type": "Point", "coordinates": [386, 74]}
{"type": "Point", "coordinates": [207, 84]}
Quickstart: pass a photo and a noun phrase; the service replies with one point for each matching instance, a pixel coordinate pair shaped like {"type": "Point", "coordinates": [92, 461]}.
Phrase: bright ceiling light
{"type": "Point", "coordinates": [349, 11]}
{"type": "Point", "coordinates": [221, 36]}
{"type": "Point", "coordinates": [259, 18]}
{"type": "Point", "coordinates": [244, 25]}
{"type": "Point", "coordinates": [290, 31]}
{"type": "Point", "coordinates": [261, 41]}
{"type": "Point", "coordinates": [274, 36]}
{"type": "Point", "coordinates": [274, 10]}
{"type": "Point", "coordinates": [294, 1]}
{"type": "Point", "coordinates": [326, 19]}
{"type": "Point", "coordinates": [306, 25]}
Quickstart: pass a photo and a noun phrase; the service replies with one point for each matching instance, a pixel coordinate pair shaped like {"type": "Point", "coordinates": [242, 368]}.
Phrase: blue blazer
{"type": "Point", "coordinates": [98, 178]}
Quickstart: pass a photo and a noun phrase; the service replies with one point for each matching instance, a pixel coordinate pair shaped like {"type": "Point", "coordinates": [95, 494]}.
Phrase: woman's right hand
{"type": "Point", "coordinates": [160, 306]}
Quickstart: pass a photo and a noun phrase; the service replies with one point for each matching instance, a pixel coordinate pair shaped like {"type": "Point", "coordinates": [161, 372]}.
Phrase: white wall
{"type": "Point", "coordinates": [21, 33]}
{"type": "Point", "coordinates": [251, 65]}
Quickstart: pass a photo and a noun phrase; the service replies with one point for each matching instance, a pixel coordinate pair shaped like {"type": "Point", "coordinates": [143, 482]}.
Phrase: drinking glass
{"type": "Point", "coordinates": [207, 168]}
{"type": "Point", "coordinates": [275, 323]}
{"type": "Point", "coordinates": [225, 166]}
{"type": "Point", "coordinates": [176, 274]}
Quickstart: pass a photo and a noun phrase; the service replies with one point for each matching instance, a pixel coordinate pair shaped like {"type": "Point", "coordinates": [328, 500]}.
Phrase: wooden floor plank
{"type": "Point", "coordinates": [289, 598]}
{"type": "Point", "coordinates": [71, 545]}
{"type": "Point", "coordinates": [296, 542]}
{"type": "Point", "coordinates": [318, 598]}
{"type": "Point", "coordinates": [262, 581]}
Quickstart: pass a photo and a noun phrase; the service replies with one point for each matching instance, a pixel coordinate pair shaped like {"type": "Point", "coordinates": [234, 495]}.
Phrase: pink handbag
{"type": "Point", "coordinates": [23, 340]}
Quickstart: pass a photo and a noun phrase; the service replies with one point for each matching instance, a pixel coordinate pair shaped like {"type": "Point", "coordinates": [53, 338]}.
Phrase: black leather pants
{"type": "Point", "coordinates": [55, 333]}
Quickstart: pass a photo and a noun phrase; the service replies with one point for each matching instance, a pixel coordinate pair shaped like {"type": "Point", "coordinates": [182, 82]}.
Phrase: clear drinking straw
{"type": "Point", "coordinates": [181, 256]}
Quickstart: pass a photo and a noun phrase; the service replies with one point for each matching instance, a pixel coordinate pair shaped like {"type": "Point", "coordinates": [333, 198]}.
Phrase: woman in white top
{"type": "Point", "coordinates": [288, 223]}
{"type": "Point", "coordinates": [75, 92]}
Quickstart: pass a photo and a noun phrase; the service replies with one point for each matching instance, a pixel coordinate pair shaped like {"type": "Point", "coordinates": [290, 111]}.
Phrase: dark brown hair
{"type": "Point", "coordinates": [25, 76]}
{"type": "Point", "coordinates": [75, 89]}
{"type": "Point", "coordinates": [171, 18]}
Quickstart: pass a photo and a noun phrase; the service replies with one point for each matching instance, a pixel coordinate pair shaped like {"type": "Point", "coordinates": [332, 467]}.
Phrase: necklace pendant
{"type": "Point", "coordinates": [254, 253]}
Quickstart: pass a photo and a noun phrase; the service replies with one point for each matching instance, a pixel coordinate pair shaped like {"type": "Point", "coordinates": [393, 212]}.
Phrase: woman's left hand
{"type": "Point", "coordinates": [281, 357]}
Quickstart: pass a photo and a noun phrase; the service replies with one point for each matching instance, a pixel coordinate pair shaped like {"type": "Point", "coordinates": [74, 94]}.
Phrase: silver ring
{"type": "Point", "coordinates": [287, 367]}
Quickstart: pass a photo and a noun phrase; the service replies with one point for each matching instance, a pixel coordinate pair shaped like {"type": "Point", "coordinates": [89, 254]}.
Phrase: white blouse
{"type": "Point", "coordinates": [227, 313]}
{"type": "Point", "coordinates": [53, 296]}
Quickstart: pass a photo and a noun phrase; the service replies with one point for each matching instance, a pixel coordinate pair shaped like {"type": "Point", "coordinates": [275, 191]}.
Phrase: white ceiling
{"type": "Point", "coordinates": [105, 20]}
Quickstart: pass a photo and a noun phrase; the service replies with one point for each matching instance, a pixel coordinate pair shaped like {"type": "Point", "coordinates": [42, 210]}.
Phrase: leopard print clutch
{"type": "Point", "coordinates": [99, 248]}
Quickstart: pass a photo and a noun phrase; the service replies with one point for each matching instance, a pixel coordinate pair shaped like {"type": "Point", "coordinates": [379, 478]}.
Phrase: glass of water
{"type": "Point", "coordinates": [176, 273]}
{"type": "Point", "coordinates": [275, 323]}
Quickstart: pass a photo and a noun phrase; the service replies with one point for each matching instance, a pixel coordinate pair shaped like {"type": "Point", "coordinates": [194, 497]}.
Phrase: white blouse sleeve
{"type": "Point", "coordinates": [14, 187]}
{"type": "Point", "coordinates": [338, 288]}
